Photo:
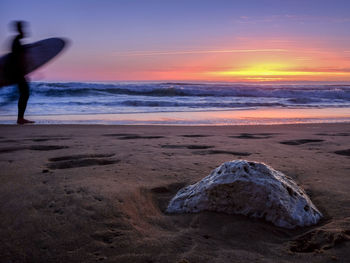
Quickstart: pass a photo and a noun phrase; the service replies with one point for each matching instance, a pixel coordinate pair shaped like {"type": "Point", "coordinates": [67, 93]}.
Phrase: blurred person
{"type": "Point", "coordinates": [17, 70]}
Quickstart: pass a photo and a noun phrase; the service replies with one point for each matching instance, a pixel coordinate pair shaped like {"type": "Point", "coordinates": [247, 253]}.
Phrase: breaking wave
{"type": "Point", "coordinates": [82, 97]}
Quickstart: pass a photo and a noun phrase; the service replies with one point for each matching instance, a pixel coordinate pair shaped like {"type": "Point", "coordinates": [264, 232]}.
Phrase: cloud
{"type": "Point", "coordinates": [291, 18]}
{"type": "Point", "coordinates": [190, 52]}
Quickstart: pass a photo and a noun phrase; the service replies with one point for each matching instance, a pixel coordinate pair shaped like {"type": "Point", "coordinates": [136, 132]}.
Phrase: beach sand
{"type": "Point", "coordinates": [87, 193]}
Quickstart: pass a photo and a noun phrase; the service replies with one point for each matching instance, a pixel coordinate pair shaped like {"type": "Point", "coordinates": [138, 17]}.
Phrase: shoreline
{"type": "Point", "coordinates": [167, 126]}
{"type": "Point", "coordinates": [270, 116]}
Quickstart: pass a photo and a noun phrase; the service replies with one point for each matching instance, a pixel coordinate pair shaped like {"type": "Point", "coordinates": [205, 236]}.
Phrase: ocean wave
{"type": "Point", "coordinates": [169, 104]}
{"type": "Point", "coordinates": [142, 103]}
{"type": "Point", "coordinates": [78, 98]}
{"type": "Point", "coordinates": [8, 95]}
{"type": "Point", "coordinates": [292, 92]}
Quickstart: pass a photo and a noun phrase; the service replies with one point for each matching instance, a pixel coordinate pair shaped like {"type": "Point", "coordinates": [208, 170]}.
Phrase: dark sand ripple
{"type": "Point", "coordinates": [301, 141]}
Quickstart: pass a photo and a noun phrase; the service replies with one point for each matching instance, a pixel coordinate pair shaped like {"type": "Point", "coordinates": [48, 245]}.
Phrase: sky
{"type": "Point", "coordinates": [188, 40]}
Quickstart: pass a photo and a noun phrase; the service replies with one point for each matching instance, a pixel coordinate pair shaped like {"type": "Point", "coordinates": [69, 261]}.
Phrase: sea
{"type": "Point", "coordinates": [172, 103]}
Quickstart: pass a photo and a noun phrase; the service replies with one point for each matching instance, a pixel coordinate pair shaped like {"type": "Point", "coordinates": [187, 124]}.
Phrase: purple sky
{"type": "Point", "coordinates": [156, 40]}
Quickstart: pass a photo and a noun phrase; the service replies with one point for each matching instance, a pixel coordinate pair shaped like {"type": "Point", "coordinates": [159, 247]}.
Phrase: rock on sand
{"type": "Point", "coordinates": [249, 188]}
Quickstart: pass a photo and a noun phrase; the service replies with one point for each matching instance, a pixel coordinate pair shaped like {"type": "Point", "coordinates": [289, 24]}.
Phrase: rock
{"type": "Point", "coordinates": [248, 188]}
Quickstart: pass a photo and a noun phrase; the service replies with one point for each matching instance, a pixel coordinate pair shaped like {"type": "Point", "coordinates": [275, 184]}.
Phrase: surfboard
{"type": "Point", "coordinates": [36, 54]}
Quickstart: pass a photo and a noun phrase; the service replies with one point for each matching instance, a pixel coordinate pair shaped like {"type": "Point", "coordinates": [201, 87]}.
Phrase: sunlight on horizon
{"type": "Point", "coordinates": [270, 72]}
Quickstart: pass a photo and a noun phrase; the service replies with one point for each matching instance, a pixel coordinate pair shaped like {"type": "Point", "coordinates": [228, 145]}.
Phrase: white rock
{"type": "Point", "coordinates": [249, 188]}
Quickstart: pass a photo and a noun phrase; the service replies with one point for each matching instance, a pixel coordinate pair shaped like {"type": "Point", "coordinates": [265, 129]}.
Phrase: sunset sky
{"type": "Point", "coordinates": [136, 40]}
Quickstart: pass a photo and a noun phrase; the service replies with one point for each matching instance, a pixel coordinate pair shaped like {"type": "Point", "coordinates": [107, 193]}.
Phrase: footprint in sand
{"type": "Point", "coordinates": [334, 134]}
{"type": "Point", "coordinates": [11, 149]}
{"type": "Point", "coordinates": [194, 135]}
{"type": "Point", "coordinates": [254, 135]}
{"type": "Point", "coordinates": [119, 134]}
{"type": "Point", "coordinates": [33, 147]}
{"type": "Point", "coordinates": [222, 152]}
{"type": "Point", "coordinates": [139, 137]}
{"type": "Point", "coordinates": [186, 146]}
{"type": "Point", "coordinates": [83, 160]}
{"type": "Point", "coordinates": [46, 147]}
{"type": "Point", "coordinates": [343, 152]}
{"type": "Point", "coordinates": [301, 141]}
{"type": "Point", "coordinates": [44, 139]}
{"type": "Point", "coordinates": [79, 156]}
{"type": "Point", "coordinates": [126, 136]}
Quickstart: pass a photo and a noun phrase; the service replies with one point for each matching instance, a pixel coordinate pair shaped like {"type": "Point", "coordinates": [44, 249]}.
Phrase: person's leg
{"type": "Point", "coordinates": [22, 101]}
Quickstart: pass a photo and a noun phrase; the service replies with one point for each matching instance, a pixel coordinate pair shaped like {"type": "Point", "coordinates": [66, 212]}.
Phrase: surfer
{"type": "Point", "coordinates": [18, 71]}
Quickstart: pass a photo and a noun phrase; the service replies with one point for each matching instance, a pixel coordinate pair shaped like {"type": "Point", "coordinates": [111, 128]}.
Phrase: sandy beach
{"type": "Point", "coordinates": [87, 193]}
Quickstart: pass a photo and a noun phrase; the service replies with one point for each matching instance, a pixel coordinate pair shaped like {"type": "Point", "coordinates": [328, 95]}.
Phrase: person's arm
{"type": "Point", "coordinates": [19, 56]}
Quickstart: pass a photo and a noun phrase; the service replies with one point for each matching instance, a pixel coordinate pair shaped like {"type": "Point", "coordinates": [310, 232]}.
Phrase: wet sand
{"type": "Point", "coordinates": [88, 193]}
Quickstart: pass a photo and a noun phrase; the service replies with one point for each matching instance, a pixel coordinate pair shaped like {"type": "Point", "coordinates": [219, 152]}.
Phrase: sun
{"type": "Point", "coordinates": [275, 71]}
{"type": "Point", "coordinates": [258, 71]}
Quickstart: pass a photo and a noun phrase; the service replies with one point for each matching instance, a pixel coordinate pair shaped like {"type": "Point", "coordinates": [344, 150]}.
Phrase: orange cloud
{"type": "Point", "coordinates": [189, 52]}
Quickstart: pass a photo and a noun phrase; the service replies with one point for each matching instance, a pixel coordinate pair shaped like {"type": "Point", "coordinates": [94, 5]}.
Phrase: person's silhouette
{"type": "Point", "coordinates": [18, 71]}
